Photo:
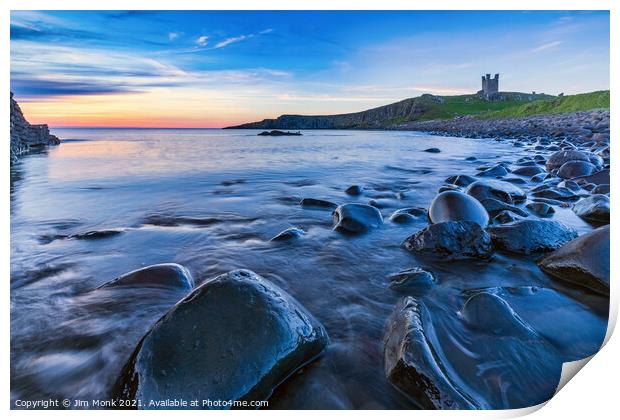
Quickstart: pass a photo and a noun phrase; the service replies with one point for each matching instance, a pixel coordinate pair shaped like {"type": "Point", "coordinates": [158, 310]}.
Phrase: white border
{"type": "Point", "coordinates": [592, 396]}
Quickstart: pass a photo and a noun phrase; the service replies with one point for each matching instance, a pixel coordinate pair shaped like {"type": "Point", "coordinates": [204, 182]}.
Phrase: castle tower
{"type": "Point", "coordinates": [490, 87]}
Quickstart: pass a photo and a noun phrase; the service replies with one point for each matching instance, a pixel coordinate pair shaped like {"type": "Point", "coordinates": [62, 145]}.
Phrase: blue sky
{"type": "Point", "coordinates": [202, 68]}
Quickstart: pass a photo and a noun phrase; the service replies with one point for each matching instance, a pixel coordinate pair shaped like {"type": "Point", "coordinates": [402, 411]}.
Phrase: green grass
{"type": "Point", "coordinates": [555, 105]}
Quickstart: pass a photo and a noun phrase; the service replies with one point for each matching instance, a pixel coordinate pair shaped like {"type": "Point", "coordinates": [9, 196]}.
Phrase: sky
{"type": "Point", "coordinates": [220, 68]}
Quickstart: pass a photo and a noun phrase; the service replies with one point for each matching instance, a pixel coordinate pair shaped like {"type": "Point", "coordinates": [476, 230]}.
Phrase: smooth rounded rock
{"type": "Point", "coordinates": [407, 215]}
{"type": "Point", "coordinates": [288, 234]}
{"type": "Point", "coordinates": [500, 190]}
{"type": "Point", "coordinates": [540, 209]}
{"type": "Point", "coordinates": [451, 240]}
{"type": "Point", "coordinates": [491, 314]}
{"type": "Point", "coordinates": [317, 203]}
{"type": "Point", "coordinates": [354, 190]}
{"type": "Point", "coordinates": [236, 337]}
{"type": "Point", "coordinates": [530, 170]}
{"type": "Point", "coordinates": [576, 169]}
{"type": "Point", "coordinates": [460, 180]}
{"type": "Point", "coordinates": [584, 261]}
{"type": "Point", "coordinates": [531, 236]}
{"type": "Point", "coordinates": [557, 159]}
{"type": "Point", "coordinates": [494, 171]}
{"type": "Point", "coordinates": [356, 218]}
{"type": "Point", "coordinates": [432, 150]}
{"type": "Point", "coordinates": [412, 279]}
{"type": "Point", "coordinates": [594, 209]}
{"type": "Point", "coordinates": [159, 275]}
{"type": "Point", "coordinates": [454, 205]}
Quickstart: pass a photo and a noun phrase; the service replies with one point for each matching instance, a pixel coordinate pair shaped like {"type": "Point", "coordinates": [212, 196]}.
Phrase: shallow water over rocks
{"type": "Point", "coordinates": [211, 200]}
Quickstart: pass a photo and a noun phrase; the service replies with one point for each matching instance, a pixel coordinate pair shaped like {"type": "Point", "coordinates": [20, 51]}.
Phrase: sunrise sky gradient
{"type": "Point", "coordinates": [213, 69]}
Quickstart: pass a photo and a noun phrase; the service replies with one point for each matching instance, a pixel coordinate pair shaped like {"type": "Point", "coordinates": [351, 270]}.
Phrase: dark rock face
{"type": "Point", "coordinates": [530, 170]}
{"type": "Point", "coordinates": [491, 314]}
{"type": "Point", "coordinates": [499, 190]}
{"type": "Point", "coordinates": [576, 169]}
{"type": "Point", "coordinates": [497, 170]}
{"type": "Point", "coordinates": [583, 261]}
{"type": "Point", "coordinates": [452, 240]}
{"type": "Point", "coordinates": [412, 279]}
{"type": "Point", "coordinates": [454, 205]}
{"type": "Point", "coordinates": [317, 203]}
{"type": "Point", "coordinates": [236, 337]}
{"type": "Point", "coordinates": [158, 275]}
{"type": "Point", "coordinates": [531, 236]}
{"type": "Point", "coordinates": [356, 218]}
{"type": "Point", "coordinates": [595, 209]}
{"type": "Point", "coordinates": [561, 157]}
{"type": "Point", "coordinates": [407, 214]}
{"type": "Point", "coordinates": [411, 363]}
{"type": "Point", "coordinates": [288, 234]}
{"type": "Point", "coordinates": [541, 209]}
{"type": "Point", "coordinates": [25, 135]}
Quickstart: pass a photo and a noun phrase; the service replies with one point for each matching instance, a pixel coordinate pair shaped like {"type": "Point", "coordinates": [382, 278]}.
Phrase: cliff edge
{"type": "Point", "coordinates": [25, 136]}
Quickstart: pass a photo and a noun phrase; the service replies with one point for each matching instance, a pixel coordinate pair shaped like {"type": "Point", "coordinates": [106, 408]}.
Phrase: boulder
{"type": "Point", "coordinates": [159, 275]}
{"type": "Point", "coordinates": [432, 150]}
{"type": "Point", "coordinates": [529, 170]}
{"type": "Point", "coordinates": [356, 218]}
{"type": "Point", "coordinates": [494, 171]}
{"type": "Point", "coordinates": [460, 180]}
{"type": "Point", "coordinates": [407, 214]}
{"type": "Point", "coordinates": [494, 207]}
{"type": "Point", "coordinates": [315, 202]}
{"type": "Point", "coordinates": [500, 190]}
{"type": "Point", "coordinates": [505, 216]}
{"type": "Point", "coordinates": [454, 205]}
{"type": "Point", "coordinates": [531, 236]}
{"type": "Point", "coordinates": [491, 314]}
{"type": "Point", "coordinates": [354, 190]}
{"type": "Point", "coordinates": [561, 157]}
{"type": "Point", "coordinates": [413, 279]}
{"type": "Point", "coordinates": [236, 337]}
{"type": "Point", "coordinates": [597, 178]}
{"type": "Point", "coordinates": [576, 169]}
{"type": "Point", "coordinates": [540, 209]}
{"type": "Point", "coordinates": [412, 364]}
{"type": "Point", "coordinates": [594, 209]}
{"type": "Point", "coordinates": [451, 240]}
{"type": "Point", "coordinates": [583, 261]}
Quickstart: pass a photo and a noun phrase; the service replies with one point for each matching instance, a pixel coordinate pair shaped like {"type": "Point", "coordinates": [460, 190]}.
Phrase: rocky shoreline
{"type": "Point", "coordinates": [26, 136]}
{"type": "Point", "coordinates": [579, 126]}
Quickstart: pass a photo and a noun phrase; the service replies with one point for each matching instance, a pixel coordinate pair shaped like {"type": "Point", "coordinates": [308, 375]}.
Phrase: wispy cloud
{"type": "Point", "coordinates": [173, 35]}
{"type": "Point", "coordinates": [547, 46]}
{"type": "Point", "coordinates": [202, 40]}
{"type": "Point", "coordinates": [232, 40]}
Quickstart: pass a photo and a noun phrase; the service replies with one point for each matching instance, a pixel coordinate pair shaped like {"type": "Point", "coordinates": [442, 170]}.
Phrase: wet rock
{"type": "Point", "coordinates": [594, 209]}
{"type": "Point", "coordinates": [561, 194]}
{"type": "Point", "coordinates": [452, 240]}
{"type": "Point", "coordinates": [471, 158]}
{"type": "Point", "coordinates": [576, 169]}
{"type": "Point", "coordinates": [317, 203]}
{"type": "Point", "coordinates": [494, 207]}
{"type": "Point", "coordinates": [460, 180]}
{"type": "Point", "coordinates": [517, 181]}
{"type": "Point", "coordinates": [236, 337]}
{"type": "Point", "coordinates": [444, 188]}
{"type": "Point", "coordinates": [412, 364]}
{"type": "Point", "coordinates": [159, 275]}
{"type": "Point", "coordinates": [601, 189]}
{"type": "Point", "coordinates": [407, 215]}
{"type": "Point", "coordinates": [97, 234]}
{"type": "Point", "coordinates": [583, 261]}
{"type": "Point", "coordinates": [288, 234]}
{"type": "Point", "coordinates": [559, 158]}
{"type": "Point", "coordinates": [505, 216]}
{"type": "Point", "coordinates": [412, 279]}
{"type": "Point", "coordinates": [356, 218]}
{"type": "Point", "coordinates": [528, 170]}
{"type": "Point", "coordinates": [454, 206]}
{"type": "Point", "coordinates": [540, 209]}
{"type": "Point", "coordinates": [494, 171]}
{"type": "Point", "coordinates": [531, 236]}
{"type": "Point", "coordinates": [432, 150]}
{"type": "Point", "coordinates": [537, 178]}
{"type": "Point", "coordinates": [354, 190]}
{"type": "Point", "coordinates": [491, 314]}
{"type": "Point", "coordinates": [570, 184]}
{"type": "Point", "coordinates": [598, 178]}
{"type": "Point", "coordinates": [500, 190]}
{"type": "Point", "coordinates": [175, 220]}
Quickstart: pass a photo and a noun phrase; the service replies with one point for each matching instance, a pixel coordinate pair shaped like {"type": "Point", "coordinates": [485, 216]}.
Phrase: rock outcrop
{"type": "Point", "coordinates": [25, 136]}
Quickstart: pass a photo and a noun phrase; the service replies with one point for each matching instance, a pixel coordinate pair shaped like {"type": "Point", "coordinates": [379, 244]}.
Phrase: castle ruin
{"type": "Point", "coordinates": [490, 87]}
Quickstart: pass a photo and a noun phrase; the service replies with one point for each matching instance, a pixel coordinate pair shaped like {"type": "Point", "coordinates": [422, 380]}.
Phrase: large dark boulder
{"type": "Point", "coordinates": [451, 240]}
{"type": "Point", "coordinates": [559, 158]}
{"type": "Point", "coordinates": [356, 218]}
{"type": "Point", "coordinates": [531, 236]}
{"type": "Point", "coordinates": [460, 180]}
{"type": "Point", "coordinates": [412, 364]}
{"type": "Point", "coordinates": [494, 171]}
{"type": "Point", "coordinates": [408, 214]}
{"type": "Point", "coordinates": [491, 314]}
{"type": "Point", "coordinates": [159, 275]}
{"type": "Point", "coordinates": [236, 337]}
{"type": "Point", "coordinates": [499, 190]}
{"type": "Point", "coordinates": [576, 169]}
{"type": "Point", "coordinates": [594, 209]}
{"type": "Point", "coordinates": [413, 280]}
{"type": "Point", "coordinates": [454, 205]}
{"type": "Point", "coordinates": [529, 170]}
{"type": "Point", "coordinates": [583, 261]}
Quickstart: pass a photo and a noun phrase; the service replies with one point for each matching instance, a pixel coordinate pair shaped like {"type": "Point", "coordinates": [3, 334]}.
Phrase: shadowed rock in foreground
{"type": "Point", "coordinates": [236, 337]}
{"type": "Point", "coordinates": [24, 135]}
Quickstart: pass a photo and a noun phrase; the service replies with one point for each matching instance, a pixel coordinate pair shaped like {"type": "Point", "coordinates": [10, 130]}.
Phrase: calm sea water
{"type": "Point", "coordinates": [69, 340]}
